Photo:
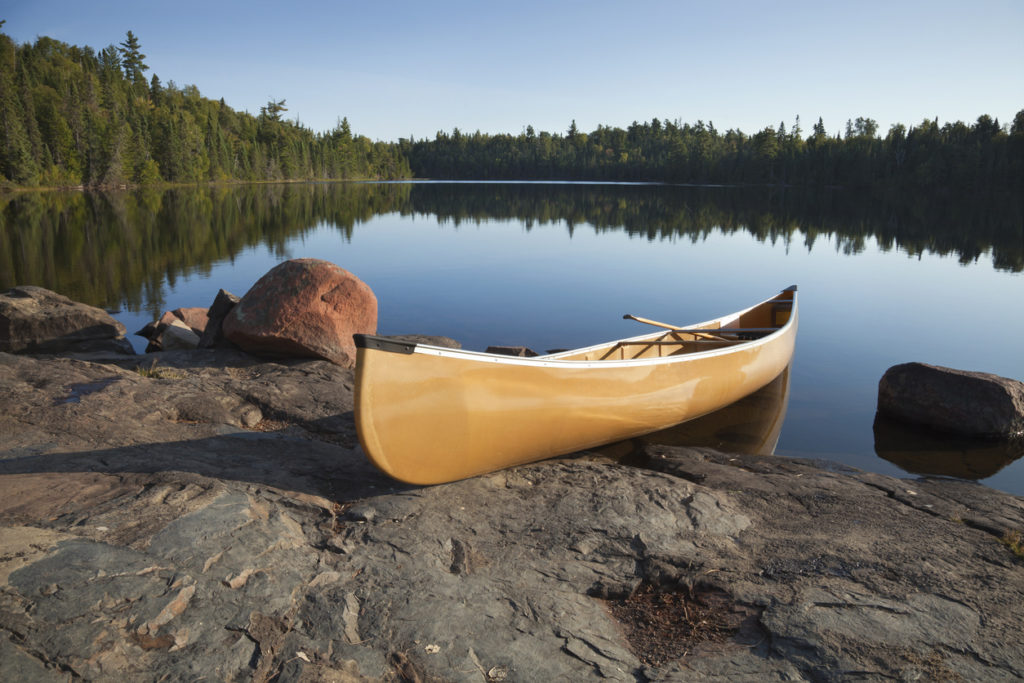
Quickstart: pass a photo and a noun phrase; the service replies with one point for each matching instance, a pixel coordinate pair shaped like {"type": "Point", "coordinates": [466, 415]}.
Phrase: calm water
{"type": "Point", "coordinates": [557, 265]}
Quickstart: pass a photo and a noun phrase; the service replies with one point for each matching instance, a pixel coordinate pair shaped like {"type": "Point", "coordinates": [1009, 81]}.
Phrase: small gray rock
{"type": "Point", "coordinates": [178, 336]}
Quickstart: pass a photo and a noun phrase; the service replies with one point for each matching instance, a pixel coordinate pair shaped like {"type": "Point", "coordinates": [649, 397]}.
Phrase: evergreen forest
{"type": "Point", "coordinates": [72, 116]}
{"type": "Point", "coordinates": [982, 157]}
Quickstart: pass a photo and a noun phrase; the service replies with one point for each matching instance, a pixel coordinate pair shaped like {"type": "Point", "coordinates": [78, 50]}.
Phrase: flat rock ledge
{"type": "Point", "coordinates": [211, 517]}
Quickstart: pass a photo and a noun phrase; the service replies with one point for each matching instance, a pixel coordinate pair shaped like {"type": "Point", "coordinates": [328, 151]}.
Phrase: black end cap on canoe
{"type": "Point", "coordinates": [369, 341]}
{"type": "Point", "coordinates": [791, 288]}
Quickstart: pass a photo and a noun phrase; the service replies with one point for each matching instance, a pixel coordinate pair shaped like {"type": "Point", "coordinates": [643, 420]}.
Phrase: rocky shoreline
{"type": "Point", "coordinates": [214, 516]}
{"type": "Point", "coordinates": [209, 514]}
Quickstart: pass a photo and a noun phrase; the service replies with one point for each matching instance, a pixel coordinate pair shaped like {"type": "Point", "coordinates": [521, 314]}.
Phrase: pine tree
{"type": "Point", "coordinates": [131, 60]}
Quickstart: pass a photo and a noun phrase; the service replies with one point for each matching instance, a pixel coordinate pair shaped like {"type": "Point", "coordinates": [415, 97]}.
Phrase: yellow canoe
{"type": "Point", "coordinates": [429, 415]}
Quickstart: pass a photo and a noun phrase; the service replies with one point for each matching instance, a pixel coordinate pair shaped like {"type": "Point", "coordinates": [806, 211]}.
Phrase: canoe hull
{"type": "Point", "coordinates": [437, 415]}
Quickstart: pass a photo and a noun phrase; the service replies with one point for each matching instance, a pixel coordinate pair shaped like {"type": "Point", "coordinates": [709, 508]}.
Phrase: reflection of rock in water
{"type": "Point", "coordinates": [921, 451]}
{"type": "Point", "coordinates": [750, 425]}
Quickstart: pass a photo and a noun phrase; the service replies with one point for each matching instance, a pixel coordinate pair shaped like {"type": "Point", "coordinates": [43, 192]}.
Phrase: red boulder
{"type": "Point", "coordinates": [304, 307]}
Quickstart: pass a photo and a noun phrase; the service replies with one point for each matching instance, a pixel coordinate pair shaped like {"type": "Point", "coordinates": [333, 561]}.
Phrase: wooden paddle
{"type": "Point", "coordinates": [704, 335]}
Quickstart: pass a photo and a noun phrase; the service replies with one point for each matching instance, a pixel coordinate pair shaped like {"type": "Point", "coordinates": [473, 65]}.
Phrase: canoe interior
{"type": "Point", "coordinates": [754, 323]}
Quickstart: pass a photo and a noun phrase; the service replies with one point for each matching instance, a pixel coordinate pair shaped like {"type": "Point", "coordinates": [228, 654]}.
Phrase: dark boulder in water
{"type": "Point", "coordinates": [955, 401]}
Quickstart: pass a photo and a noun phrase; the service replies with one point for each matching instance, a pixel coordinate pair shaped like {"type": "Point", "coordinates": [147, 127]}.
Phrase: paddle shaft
{"type": "Point", "coordinates": [670, 327]}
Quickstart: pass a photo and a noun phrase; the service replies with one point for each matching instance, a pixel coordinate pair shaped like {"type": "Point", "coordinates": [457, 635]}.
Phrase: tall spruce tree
{"type": "Point", "coordinates": [131, 59]}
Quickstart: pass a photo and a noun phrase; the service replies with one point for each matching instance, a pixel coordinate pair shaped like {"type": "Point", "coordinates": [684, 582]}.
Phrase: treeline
{"type": "Point", "coordinates": [70, 116]}
{"type": "Point", "coordinates": [984, 155]}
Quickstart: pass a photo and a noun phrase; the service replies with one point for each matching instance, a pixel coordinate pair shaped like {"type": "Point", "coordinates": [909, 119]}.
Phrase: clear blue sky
{"type": "Point", "coordinates": [397, 68]}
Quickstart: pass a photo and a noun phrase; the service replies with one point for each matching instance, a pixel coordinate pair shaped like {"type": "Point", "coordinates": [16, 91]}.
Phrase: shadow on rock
{"type": "Point", "coordinates": [273, 459]}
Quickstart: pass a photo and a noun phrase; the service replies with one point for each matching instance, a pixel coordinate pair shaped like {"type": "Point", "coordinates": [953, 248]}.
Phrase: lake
{"type": "Point", "coordinates": [556, 265]}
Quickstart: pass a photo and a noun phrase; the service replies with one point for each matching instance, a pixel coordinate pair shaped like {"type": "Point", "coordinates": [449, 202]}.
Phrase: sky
{"type": "Point", "coordinates": [400, 69]}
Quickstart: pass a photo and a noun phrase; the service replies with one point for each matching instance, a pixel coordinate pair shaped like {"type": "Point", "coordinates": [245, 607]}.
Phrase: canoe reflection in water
{"type": "Point", "coordinates": [921, 451]}
{"type": "Point", "coordinates": [751, 425]}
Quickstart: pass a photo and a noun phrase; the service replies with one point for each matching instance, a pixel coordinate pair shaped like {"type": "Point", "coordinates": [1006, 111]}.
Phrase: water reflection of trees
{"type": "Point", "coordinates": [915, 224]}
{"type": "Point", "coordinates": [122, 248]}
